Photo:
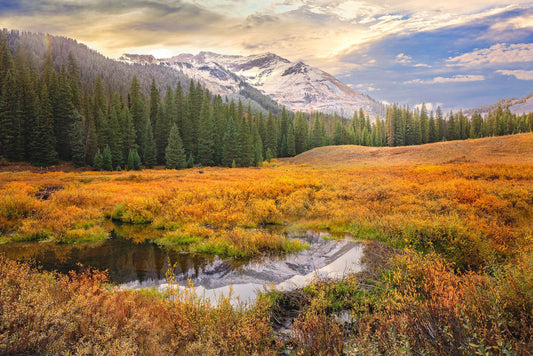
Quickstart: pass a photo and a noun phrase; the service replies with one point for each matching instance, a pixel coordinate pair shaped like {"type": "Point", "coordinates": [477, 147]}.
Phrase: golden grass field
{"type": "Point", "coordinates": [513, 149]}
{"type": "Point", "coordinates": [456, 273]}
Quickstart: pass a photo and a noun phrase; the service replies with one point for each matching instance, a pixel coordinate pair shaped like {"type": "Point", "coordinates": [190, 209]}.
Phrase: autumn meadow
{"type": "Point", "coordinates": [449, 260]}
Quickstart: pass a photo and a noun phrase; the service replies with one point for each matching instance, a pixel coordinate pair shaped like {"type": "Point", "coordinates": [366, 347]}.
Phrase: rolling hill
{"type": "Point", "coordinates": [512, 149]}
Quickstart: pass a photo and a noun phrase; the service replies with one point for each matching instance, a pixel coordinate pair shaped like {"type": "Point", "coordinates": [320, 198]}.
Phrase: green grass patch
{"type": "Point", "coordinates": [93, 234]}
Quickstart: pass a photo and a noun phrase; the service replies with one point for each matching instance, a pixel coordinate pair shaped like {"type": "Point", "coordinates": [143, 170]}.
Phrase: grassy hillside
{"type": "Point", "coordinates": [512, 149]}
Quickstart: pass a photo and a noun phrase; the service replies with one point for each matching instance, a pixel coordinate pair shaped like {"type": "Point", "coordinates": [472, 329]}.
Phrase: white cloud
{"type": "Point", "coordinates": [514, 23]}
{"type": "Point", "coordinates": [416, 81]}
{"type": "Point", "coordinates": [403, 58]}
{"type": "Point", "coordinates": [518, 74]}
{"type": "Point", "coordinates": [455, 79]}
{"type": "Point", "coordinates": [497, 54]}
{"type": "Point", "coordinates": [459, 78]}
{"type": "Point", "coordinates": [406, 60]}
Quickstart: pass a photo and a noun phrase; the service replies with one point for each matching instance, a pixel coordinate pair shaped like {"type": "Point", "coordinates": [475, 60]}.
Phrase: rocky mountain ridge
{"type": "Point", "coordinates": [296, 85]}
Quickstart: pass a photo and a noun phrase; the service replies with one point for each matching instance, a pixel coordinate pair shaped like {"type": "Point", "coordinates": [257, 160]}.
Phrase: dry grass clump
{"type": "Point", "coordinates": [44, 313]}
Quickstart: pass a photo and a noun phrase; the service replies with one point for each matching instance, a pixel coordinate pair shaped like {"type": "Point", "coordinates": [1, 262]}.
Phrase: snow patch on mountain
{"type": "Point", "coordinates": [298, 86]}
{"type": "Point", "coordinates": [516, 106]}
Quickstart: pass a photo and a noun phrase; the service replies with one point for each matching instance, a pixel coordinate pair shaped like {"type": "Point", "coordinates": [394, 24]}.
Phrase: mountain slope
{"type": "Point", "coordinates": [118, 74]}
{"type": "Point", "coordinates": [517, 106]}
{"type": "Point", "coordinates": [298, 86]}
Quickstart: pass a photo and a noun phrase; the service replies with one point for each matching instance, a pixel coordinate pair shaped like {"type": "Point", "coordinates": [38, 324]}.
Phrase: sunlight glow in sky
{"type": "Point", "coordinates": [456, 53]}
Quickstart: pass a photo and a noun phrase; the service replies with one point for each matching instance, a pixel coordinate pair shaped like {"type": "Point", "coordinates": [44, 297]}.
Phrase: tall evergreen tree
{"type": "Point", "coordinates": [206, 141]}
{"type": "Point", "coordinates": [134, 160]}
{"type": "Point", "coordinates": [98, 161]}
{"type": "Point", "coordinates": [291, 140]}
{"type": "Point", "coordinates": [155, 103]}
{"type": "Point", "coordinates": [230, 146]}
{"type": "Point", "coordinates": [175, 154]}
{"type": "Point", "coordinates": [76, 140]}
{"type": "Point", "coordinates": [301, 132]}
{"type": "Point", "coordinates": [149, 149]}
{"type": "Point", "coordinates": [11, 139]}
{"type": "Point", "coordinates": [107, 161]}
{"type": "Point", "coordinates": [271, 136]}
{"type": "Point", "coordinates": [44, 144]}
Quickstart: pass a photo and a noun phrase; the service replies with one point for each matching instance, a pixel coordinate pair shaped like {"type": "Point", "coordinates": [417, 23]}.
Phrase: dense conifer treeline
{"type": "Point", "coordinates": [51, 111]}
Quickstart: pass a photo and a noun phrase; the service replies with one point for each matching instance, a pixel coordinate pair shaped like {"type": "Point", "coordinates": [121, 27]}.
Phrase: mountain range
{"type": "Point", "coordinates": [296, 85]}
{"type": "Point", "coordinates": [516, 106]}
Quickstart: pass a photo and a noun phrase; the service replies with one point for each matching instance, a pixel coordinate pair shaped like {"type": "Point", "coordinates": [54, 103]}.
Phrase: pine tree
{"type": "Point", "coordinates": [134, 160]}
{"type": "Point", "coordinates": [129, 135]}
{"type": "Point", "coordinates": [271, 136]}
{"type": "Point", "coordinates": [114, 135]}
{"type": "Point", "coordinates": [74, 75]}
{"type": "Point", "coordinates": [245, 144]}
{"type": "Point", "coordinates": [283, 130]}
{"type": "Point", "coordinates": [432, 130]}
{"type": "Point", "coordinates": [155, 103]}
{"type": "Point", "coordinates": [175, 154]}
{"type": "Point", "coordinates": [138, 111]}
{"type": "Point", "coordinates": [424, 125]}
{"type": "Point", "coordinates": [291, 140]}
{"type": "Point", "coordinates": [44, 144]}
{"type": "Point", "coordinates": [301, 132]}
{"type": "Point", "coordinates": [63, 114]}
{"type": "Point", "coordinates": [107, 162]}
{"type": "Point", "coordinates": [230, 147]}
{"type": "Point", "coordinates": [91, 144]}
{"type": "Point", "coordinates": [10, 120]}
{"type": "Point", "coordinates": [76, 141]}
{"type": "Point", "coordinates": [258, 146]}
{"type": "Point", "coordinates": [269, 155]}
{"type": "Point", "coordinates": [162, 128]}
{"type": "Point", "coordinates": [98, 161]}
{"type": "Point", "coordinates": [206, 141]}
{"type": "Point", "coordinates": [149, 149]}
{"type": "Point", "coordinates": [439, 125]}
{"type": "Point", "coordinates": [316, 134]}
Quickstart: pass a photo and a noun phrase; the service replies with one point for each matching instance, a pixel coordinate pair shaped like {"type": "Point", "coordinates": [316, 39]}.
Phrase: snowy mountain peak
{"type": "Point", "coordinates": [296, 85]}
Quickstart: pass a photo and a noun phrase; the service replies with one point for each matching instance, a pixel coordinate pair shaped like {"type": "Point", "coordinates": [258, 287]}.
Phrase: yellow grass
{"type": "Point", "coordinates": [512, 149]}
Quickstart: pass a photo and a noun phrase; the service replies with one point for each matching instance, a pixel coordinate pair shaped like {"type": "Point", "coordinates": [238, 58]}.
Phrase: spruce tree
{"type": "Point", "coordinates": [258, 146]}
{"type": "Point", "coordinates": [230, 149]}
{"type": "Point", "coordinates": [107, 161]}
{"type": "Point", "coordinates": [129, 135]}
{"type": "Point", "coordinates": [424, 125]}
{"type": "Point", "coordinates": [114, 135]}
{"type": "Point", "coordinates": [155, 103]}
{"type": "Point", "coordinates": [149, 149]}
{"type": "Point", "coordinates": [134, 160]}
{"type": "Point", "coordinates": [301, 132]}
{"type": "Point", "coordinates": [206, 140]}
{"type": "Point", "coordinates": [63, 114]}
{"type": "Point", "coordinates": [11, 138]}
{"type": "Point", "coordinates": [98, 161]}
{"type": "Point", "coordinates": [291, 141]}
{"type": "Point", "coordinates": [44, 144]}
{"type": "Point", "coordinates": [271, 136]}
{"type": "Point", "coordinates": [175, 154]}
{"type": "Point", "coordinates": [162, 128]}
{"type": "Point", "coordinates": [76, 140]}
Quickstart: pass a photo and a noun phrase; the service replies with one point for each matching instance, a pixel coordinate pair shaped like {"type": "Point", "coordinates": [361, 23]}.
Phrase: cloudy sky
{"type": "Point", "coordinates": [456, 53]}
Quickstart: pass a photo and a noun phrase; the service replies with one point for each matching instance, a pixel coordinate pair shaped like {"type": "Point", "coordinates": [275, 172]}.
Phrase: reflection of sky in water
{"type": "Point", "coordinates": [144, 264]}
